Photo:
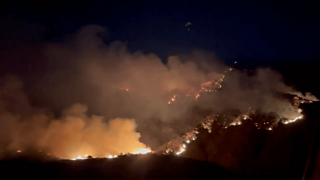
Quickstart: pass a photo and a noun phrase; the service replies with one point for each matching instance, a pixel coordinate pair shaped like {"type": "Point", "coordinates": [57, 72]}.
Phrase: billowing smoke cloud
{"type": "Point", "coordinates": [99, 71]}
{"type": "Point", "coordinates": [87, 69]}
{"type": "Point", "coordinates": [76, 133]}
{"type": "Point", "coordinates": [258, 92]}
{"type": "Point", "coordinates": [114, 82]}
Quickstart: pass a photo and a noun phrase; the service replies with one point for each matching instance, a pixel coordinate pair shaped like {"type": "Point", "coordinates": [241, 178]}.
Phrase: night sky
{"type": "Point", "coordinates": [267, 32]}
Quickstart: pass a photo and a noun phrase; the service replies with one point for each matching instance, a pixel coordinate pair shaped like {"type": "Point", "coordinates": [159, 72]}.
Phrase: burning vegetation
{"type": "Point", "coordinates": [137, 87]}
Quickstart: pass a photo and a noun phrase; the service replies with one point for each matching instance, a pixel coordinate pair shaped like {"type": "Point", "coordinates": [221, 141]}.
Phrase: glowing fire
{"type": "Point", "coordinates": [209, 86]}
{"type": "Point", "coordinates": [111, 157]}
{"type": "Point", "coordinates": [292, 120]}
{"type": "Point", "coordinates": [142, 151]}
{"type": "Point", "coordinates": [178, 146]}
{"type": "Point", "coordinates": [138, 152]}
{"type": "Point", "coordinates": [197, 96]}
{"type": "Point", "coordinates": [172, 99]}
{"type": "Point", "coordinates": [182, 149]}
{"type": "Point", "coordinates": [78, 158]}
{"type": "Point", "coordinates": [181, 145]}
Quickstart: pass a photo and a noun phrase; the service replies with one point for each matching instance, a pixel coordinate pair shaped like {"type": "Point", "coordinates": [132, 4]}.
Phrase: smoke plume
{"type": "Point", "coordinates": [114, 82]}
{"type": "Point", "coordinates": [93, 72]}
{"type": "Point", "coordinates": [76, 133]}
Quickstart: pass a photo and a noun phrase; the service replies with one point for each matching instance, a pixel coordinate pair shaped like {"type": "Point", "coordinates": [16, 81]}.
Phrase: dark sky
{"type": "Point", "coordinates": [270, 31]}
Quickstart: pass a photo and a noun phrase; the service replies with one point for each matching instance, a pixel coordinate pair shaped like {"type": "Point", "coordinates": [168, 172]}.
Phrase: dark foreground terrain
{"type": "Point", "coordinates": [130, 167]}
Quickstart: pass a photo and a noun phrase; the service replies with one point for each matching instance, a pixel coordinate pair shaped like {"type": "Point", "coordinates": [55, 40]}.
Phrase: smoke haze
{"type": "Point", "coordinates": [96, 72]}
{"type": "Point", "coordinates": [76, 133]}
{"type": "Point", "coordinates": [114, 82]}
